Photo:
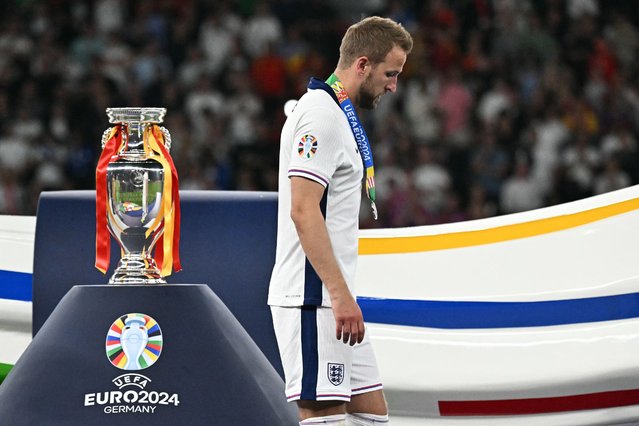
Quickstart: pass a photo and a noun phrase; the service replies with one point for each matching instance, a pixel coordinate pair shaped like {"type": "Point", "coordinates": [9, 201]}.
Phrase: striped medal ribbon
{"type": "Point", "coordinates": [359, 133]}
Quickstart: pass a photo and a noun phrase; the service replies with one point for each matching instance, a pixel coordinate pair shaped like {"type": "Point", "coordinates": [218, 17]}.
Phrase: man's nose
{"type": "Point", "coordinates": [392, 86]}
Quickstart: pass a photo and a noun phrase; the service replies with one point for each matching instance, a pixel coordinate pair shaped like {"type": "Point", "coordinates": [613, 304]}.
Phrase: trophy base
{"type": "Point", "coordinates": [136, 270]}
{"type": "Point", "coordinates": [125, 278]}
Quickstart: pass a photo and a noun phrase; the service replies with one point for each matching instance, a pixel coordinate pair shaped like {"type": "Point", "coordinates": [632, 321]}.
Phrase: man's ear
{"type": "Point", "coordinates": [362, 66]}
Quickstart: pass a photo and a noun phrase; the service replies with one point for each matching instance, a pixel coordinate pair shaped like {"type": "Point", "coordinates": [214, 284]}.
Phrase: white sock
{"type": "Point", "coordinates": [335, 420]}
{"type": "Point", "coordinates": [365, 419]}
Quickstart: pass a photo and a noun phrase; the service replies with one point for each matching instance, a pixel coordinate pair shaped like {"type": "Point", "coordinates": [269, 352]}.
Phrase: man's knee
{"type": "Point", "coordinates": [366, 419]}
{"type": "Point", "coordinates": [320, 410]}
{"type": "Point", "coordinates": [370, 402]}
{"type": "Point", "coordinates": [332, 420]}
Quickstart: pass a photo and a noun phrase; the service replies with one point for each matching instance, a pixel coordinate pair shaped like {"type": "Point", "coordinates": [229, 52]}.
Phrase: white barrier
{"type": "Point", "coordinates": [555, 362]}
{"type": "Point", "coordinates": [578, 255]}
{"type": "Point", "coordinates": [16, 255]}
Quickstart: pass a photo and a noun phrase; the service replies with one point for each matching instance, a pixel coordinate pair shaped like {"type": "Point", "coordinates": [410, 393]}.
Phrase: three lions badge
{"type": "Point", "coordinates": [335, 373]}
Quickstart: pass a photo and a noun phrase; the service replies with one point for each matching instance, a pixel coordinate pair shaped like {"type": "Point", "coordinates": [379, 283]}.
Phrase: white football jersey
{"type": "Point", "coordinates": [317, 144]}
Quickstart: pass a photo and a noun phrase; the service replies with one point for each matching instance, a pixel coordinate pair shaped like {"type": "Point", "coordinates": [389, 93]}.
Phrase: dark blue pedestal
{"type": "Point", "coordinates": [228, 241]}
{"type": "Point", "coordinates": [209, 371]}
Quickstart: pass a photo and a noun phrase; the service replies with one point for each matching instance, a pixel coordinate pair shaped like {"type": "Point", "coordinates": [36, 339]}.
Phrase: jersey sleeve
{"type": "Point", "coordinates": [316, 146]}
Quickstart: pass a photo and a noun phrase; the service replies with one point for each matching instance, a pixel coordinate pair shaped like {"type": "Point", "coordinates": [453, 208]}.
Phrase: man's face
{"type": "Point", "coordinates": [382, 78]}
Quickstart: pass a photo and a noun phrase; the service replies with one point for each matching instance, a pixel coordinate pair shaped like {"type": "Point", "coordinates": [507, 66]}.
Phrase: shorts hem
{"type": "Point", "coordinates": [320, 397]}
{"type": "Point", "coordinates": [277, 303]}
{"type": "Point", "coordinates": [366, 389]}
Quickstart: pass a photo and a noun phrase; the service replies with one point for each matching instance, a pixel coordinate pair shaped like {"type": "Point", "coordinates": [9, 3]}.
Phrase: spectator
{"type": "Point", "coordinates": [261, 31]}
{"type": "Point", "coordinates": [201, 103]}
{"type": "Point", "coordinates": [12, 193]}
{"type": "Point", "coordinates": [109, 16]}
{"type": "Point", "coordinates": [497, 99]}
{"type": "Point", "coordinates": [405, 208]}
{"type": "Point", "coordinates": [479, 206]}
{"type": "Point", "coordinates": [390, 176]}
{"type": "Point", "coordinates": [192, 69]}
{"type": "Point", "coordinates": [268, 75]}
{"type": "Point", "coordinates": [549, 135]}
{"type": "Point", "coordinates": [489, 165]}
{"type": "Point", "coordinates": [622, 36]}
{"type": "Point", "coordinates": [611, 178]}
{"type": "Point", "coordinates": [581, 161]}
{"type": "Point", "coordinates": [152, 65]}
{"type": "Point", "coordinates": [117, 59]}
{"type": "Point", "coordinates": [420, 107]}
{"type": "Point", "coordinates": [521, 192]}
{"type": "Point", "coordinates": [216, 41]}
{"type": "Point", "coordinates": [455, 102]}
{"type": "Point", "coordinates": [621, 144]}
{"type": "Point", "coordinates": [431, 179]}
{"type": "Point", "coordinates": [244, 108]}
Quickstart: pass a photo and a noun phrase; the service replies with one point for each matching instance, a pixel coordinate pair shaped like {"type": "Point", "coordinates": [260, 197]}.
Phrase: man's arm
{"type": "Point", "coordinates": [309, 222]}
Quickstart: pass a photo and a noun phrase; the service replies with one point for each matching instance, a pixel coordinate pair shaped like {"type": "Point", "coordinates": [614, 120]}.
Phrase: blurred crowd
{"type": "Point", "coordinates": [503, 105]}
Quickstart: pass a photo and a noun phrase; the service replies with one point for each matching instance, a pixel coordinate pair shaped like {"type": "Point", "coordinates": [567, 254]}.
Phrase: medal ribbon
{"type": "Point", "coordinates": [102, 236]}
{"type": "Point", "coordinates": [363, 145]}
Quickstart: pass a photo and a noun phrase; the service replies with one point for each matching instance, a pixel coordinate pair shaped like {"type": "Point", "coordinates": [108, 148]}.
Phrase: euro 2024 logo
{"type": "Point", "coordinates": [134, 342]}
{"type": "Point", "coordinates": [307, 147]}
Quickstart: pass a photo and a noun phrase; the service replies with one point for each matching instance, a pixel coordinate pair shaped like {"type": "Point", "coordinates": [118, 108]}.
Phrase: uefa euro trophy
{"type": "Point", "coordinates": [137, 197]}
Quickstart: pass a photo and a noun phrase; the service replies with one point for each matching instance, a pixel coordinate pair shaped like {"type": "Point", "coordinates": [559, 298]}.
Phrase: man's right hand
{"type": "Point", "coordinates": [349, 322]}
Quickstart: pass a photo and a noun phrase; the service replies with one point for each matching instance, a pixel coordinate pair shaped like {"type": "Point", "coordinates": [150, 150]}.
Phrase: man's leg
{"type": "Point", "coordinates": [365, 419]}
{"type": "Point", "coordinates": [367, 409]}
{"type": "Point", "coordinates": [370, 402]}
{"type": "Point", "coordinates": [368, 405]}
{"type": "Point", "coordinates": [321, 412]}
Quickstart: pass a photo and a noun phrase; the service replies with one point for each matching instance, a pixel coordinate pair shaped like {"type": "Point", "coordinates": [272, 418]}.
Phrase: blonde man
{"type": "Point", "coordinates": [329, 365]}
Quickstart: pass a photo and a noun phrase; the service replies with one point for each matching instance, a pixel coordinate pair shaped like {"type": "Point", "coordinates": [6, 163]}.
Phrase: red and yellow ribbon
{"type": "Point", "coordinates": [102, 237]}
{"type": "Point", "coordinates": [167, 252]}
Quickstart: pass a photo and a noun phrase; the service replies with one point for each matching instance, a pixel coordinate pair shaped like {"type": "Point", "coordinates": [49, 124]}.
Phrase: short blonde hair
{"type": "Point", "coordinates": [373, 37]}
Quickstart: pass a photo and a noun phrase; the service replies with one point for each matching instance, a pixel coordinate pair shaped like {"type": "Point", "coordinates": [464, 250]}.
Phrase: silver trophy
{"type": "Point", "coordinates": [135, 182]}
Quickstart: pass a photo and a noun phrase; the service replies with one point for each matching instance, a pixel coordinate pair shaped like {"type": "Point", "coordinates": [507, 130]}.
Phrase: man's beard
{"type": "Point", "coordinates": [366, 97]}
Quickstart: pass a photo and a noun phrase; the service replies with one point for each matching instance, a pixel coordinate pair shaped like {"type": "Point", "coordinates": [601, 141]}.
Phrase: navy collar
{"type": "Point", "coordinates": [316, 83]}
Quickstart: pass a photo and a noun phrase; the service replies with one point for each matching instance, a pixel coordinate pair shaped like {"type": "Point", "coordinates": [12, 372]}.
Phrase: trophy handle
{"type": "Point", "coordinates": [105, 136]}
{"type": "Point", "coordinates": [167, 138]}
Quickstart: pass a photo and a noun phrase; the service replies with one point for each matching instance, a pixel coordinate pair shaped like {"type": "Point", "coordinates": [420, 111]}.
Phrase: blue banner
{"type": "Point", "coordinates": [15, 285]}
{"type": "Point", "coordinates": [473, 315]}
